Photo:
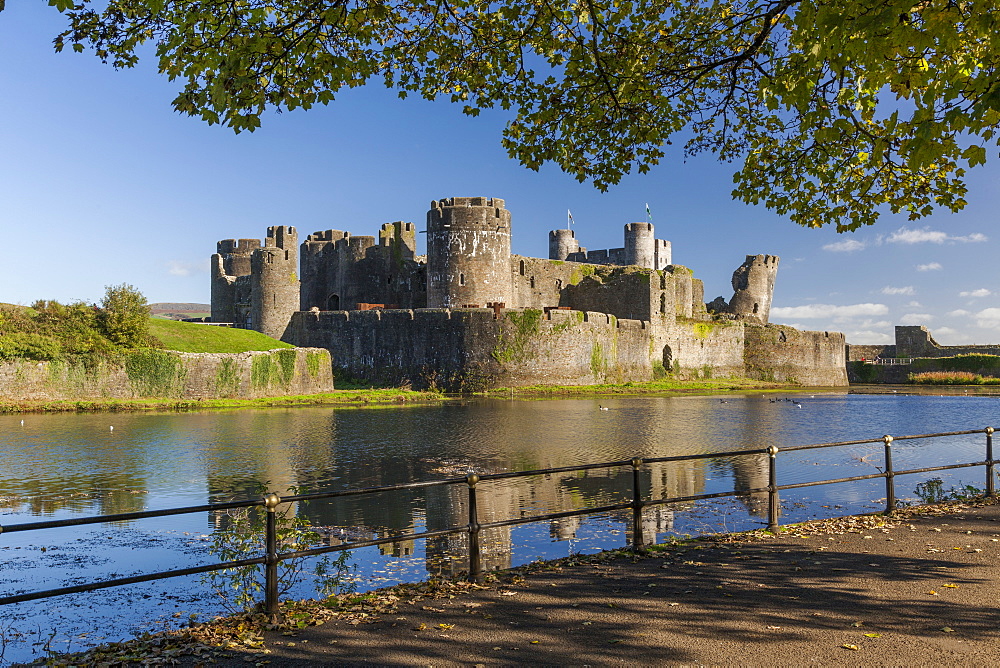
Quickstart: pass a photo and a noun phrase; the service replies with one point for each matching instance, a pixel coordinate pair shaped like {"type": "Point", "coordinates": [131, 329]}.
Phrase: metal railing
{"type": "Point", "coordinates": [270, 502]}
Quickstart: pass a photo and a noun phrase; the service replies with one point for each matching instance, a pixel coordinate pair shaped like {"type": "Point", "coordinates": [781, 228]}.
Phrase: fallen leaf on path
{"type": "Point", "coordinates": [873, 635]}
{"type": "Point", "coordinates": [948, 629]}
{"type": "Point", "coordinates": [446, 626]}
{"type": "Point", "coordinates": [854, 647]}
{"type": "Point", "coordinates": [950, 586]}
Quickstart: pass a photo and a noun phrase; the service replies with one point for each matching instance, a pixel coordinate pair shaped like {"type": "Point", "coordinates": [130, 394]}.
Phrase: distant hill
{"type": "Point", "coordinates": [179, 310]}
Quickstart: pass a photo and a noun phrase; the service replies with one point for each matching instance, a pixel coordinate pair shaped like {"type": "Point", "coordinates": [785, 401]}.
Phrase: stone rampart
{"type": "Point", "coordinates": [172, 375]}
{"type": "Point", "coordinates": [701, 349]}
{"type": "Point", "coordinates": [470, 349]}
{"type": "Point", "coordinates": [857, 353]}
{"type": "Point", "coordinates": [783, 354]}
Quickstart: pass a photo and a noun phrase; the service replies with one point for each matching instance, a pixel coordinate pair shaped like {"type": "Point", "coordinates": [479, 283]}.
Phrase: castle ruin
{"type": "Point", "coordinates": [470, 314]}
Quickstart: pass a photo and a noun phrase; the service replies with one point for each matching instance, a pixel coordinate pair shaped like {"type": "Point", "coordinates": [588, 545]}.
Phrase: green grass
{"type": "Point", "coordinates": [663, 386]}
{"type": "Point", "coordinates": [369, 398]}
{"type": "Point", "coordinates": [191, 337]}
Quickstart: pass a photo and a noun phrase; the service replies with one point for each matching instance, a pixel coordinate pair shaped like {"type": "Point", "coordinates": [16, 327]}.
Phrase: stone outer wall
{"type": "Point", "coordinates": [784, 354]}
{"type": "Point", "coordinates": [700, 349]}
{"type": "Point", "coordinates": [471, 349]}
{"type": "Point", "coordinates": [173, 375]}
{"type": "Point", "coordinates": [857, 353]}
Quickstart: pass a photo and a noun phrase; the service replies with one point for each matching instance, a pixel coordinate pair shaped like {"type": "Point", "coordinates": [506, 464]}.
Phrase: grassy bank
{"type": "Point", "coordinates": [664, 386]}
{"type": "Point", "coordinates": [190, 337]}
{"type": "Point", "coordinates": [342, 398]}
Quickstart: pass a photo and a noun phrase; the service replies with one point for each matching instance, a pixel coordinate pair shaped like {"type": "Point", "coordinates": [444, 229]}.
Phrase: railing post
{"type": "Point", "coordinates": [772, 489]}
{"type": "Point", "coordinates": [638, 540]}
{"type": "Point", "coordinates": [271, 502]}
{"type": "Point", "coordinates": [890, 482]}
{"type": "Point", "coordinates": [990, 490]}
{"type": "Point", "coordinates": [475, 560]}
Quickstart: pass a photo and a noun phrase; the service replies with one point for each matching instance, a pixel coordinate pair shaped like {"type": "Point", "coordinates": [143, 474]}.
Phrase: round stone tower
{"type": "Point", "coordinates": [274, 292]}
{"type": "Point", "coordinates": [640, 246]}
{"type": "Point", "coordinates": [468, 252]}
{"type": "Point", "coordinates": [562, 243]}
{"type": "Point", "coordinates": [753, 285]}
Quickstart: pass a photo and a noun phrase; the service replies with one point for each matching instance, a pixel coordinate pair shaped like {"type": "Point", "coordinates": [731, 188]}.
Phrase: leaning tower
{"type": "Point", "coordinates": [753, 285]}
{"type": "Point", "coordinates": [468, 252]}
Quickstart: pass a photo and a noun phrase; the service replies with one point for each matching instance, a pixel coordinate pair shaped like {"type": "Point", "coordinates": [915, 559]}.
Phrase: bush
{"type": "Point", "coordinates": [946, 378]}
{"type": "Point", "coordinates": [124, 316]}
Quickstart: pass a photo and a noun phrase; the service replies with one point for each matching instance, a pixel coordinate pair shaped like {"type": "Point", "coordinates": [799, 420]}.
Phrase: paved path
{"type": "Point", "coordinates": [921, 591]}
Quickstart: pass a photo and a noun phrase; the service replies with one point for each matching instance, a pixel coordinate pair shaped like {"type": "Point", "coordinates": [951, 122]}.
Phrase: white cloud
{"type": "Point", "coordinates": [181, 268]}
{"type": "Point", "coordinates": [868, 337]}
{"type": "Point", "coordinates": [981, 292]}
{"type": "Point", "coordinates": [926, 235]}
{"type": "Point", "coordinates": [829, 311]}
{"type": "Point", "coordinates": [931, 266]}
{"type": "Point", "coordinates": [989, 318]}
{"type": "Point", "coordinates": [890, 290]}
{"type": "Point", "coordinates": [915, 318]}
{"type": "Point", "coordinates": [913, 305]}
{"type": "Point", "coordinates": [845, 246]}
{"type": "Point", "coordinates": [958, 313]}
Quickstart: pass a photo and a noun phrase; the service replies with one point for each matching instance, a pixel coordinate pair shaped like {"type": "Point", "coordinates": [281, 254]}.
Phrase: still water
{"type": "Point", "coordinates": [66, 465]}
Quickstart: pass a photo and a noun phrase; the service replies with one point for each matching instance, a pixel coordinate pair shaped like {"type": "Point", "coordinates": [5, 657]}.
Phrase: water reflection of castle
{"type": "Point", "coordinates": [292, 461]}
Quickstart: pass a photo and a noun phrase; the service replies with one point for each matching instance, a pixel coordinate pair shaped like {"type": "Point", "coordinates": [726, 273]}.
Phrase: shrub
{"type": "Point", "coordinates": [946, 378]}
{"type": "Point", "coordinates": [124, 316]}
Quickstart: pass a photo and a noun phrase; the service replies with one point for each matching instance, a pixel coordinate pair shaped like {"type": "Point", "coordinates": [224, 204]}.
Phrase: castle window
{"type": "Point", "coordinates": [333, 303]}
{"type": "Point", "coordinates": [461, 279]}
{"type": "Point", "coordinates": [755, 307]}
{"type": "Point", "coordinates": [663, 302]}
{"type": "Point", "coordinates": [532, 281]}
{"type": "Point", "coordinates": [558, 284]}
{"type": "Point", "coordinates": [388, 280]}
{"type": "Point", "coordinates": [522, 267]}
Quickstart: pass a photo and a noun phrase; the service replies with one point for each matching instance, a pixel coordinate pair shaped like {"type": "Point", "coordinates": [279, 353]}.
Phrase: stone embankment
{"type": "Point", "coordinates": [168, 374]}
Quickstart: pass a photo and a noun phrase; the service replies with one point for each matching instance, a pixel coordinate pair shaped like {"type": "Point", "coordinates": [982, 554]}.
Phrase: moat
{"type": "Point", "coordinates": [63, 465]}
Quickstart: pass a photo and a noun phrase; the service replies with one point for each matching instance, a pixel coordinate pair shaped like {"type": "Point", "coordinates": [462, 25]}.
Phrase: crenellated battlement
{"type": "Point", "coordinates": [237, 246]}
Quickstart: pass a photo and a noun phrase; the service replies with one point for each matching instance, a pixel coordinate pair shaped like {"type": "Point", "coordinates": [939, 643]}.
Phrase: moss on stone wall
{"type": "Point", "coordinates": [155, 373]}
{"type": "Point", "coordinates": [227, 379]}
{"type": "Point", "coordinates": [313, 361]}
{"type": "Point", "coordinates": [511, 347]}
{"type": "Point", "coordinates": [581, 272]}
{"type": "Point", "coordinates": [702, 330]}
{"type": "Point", "coordinates": [597, 361]}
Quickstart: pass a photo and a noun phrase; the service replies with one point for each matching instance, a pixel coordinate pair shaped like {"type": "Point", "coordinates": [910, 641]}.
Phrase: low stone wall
{"type": "Point", "coordinates": [173, 375]}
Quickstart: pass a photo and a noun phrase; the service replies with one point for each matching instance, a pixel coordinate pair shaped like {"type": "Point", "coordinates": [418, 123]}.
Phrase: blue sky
{"type": "Point", "coordinates": [102, 183]}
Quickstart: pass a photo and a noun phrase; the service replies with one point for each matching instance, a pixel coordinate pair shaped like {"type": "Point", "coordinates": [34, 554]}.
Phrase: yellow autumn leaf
{"type": "Point", "coordinates": [446, 626]}
{"type": "Point", "coordinates": [951, 586]}
{"type": "Point", "coordinates": [873, 635]}
{"type": "Point", "coordinates": [853, 647]}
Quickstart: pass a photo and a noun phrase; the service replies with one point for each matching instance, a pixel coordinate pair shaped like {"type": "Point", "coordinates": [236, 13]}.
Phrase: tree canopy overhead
{"type": "Point", "coordinates": [836, 109]}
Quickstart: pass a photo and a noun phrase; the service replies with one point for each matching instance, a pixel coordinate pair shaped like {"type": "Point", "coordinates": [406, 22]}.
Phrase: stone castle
{"type": "Point", "coordinates": [472, 315]}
